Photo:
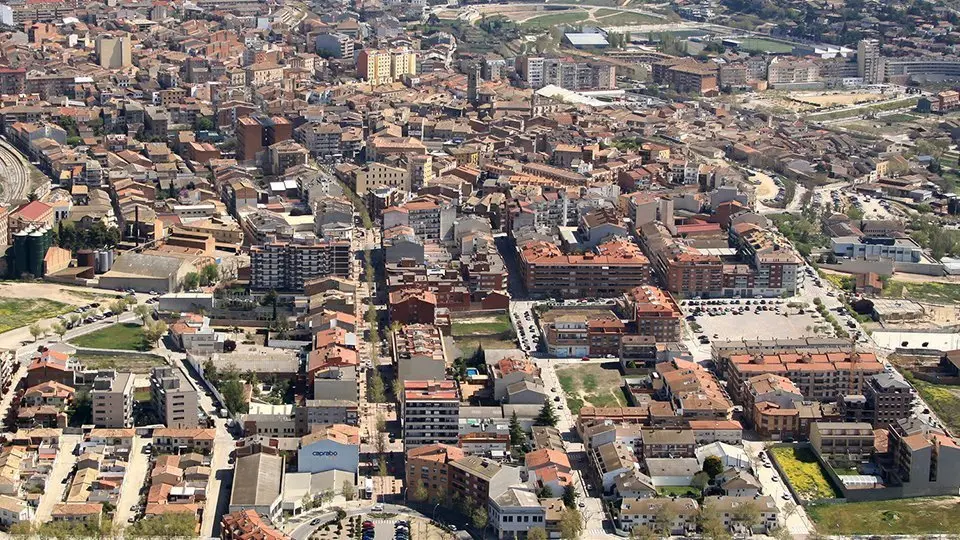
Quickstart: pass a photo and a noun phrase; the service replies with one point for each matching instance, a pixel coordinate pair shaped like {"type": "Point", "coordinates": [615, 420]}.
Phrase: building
{"type": "Point", "coordinates": [257, 480]}
{"type": "Point", "coordinates": [475, 479]}
{"type": "Point", "coordinates": [419, 353]}
{"type": "Point", "coordinates": [430, 412]}
{"type": "Point", "coordinates": [173, 440]}
{"type": "Point", "coordinates": [843, 443]}
{"type": "Point", "coordinates": [668, 443]}
{"type": "Point", "coordinates": [174, 398]}
{"type": "Point", "coordinates": [335, 44]}
{"type": "Point", "coordinates": [578, 333]}
{"type": "Point", "coordinates": [113, 51]}
{"type": "Point", "coordinates": [255, 133]}
{"type": "Point", "coordinates": [616, 266]}
{"type": "Point", "coordinates": [112, 397]}
{"type": "Point", "coordinates": [925, 460]}
{"type": "Point", "coordinates": [760, 518]}
{"type": "Point", "coordinates": [682, 513]}
{"type": "Point", "coordinates": [429, 466]}
{"type": "Point", "coordinates": [655, 312]}
{"type": "Point", "coordinates": [286, 266]}
{"type": "Point", "coordinates": [330, 448]}
{"type": "Point", "coordinates": [686, 75]}
{"type": "Point", "coordinates": [890, 399]}
{"type": "Point", "coordinates": [870, 63]}
{"type": "Point", "coordinates": [321, 412]}
{"type": "Point", "coordinates": [386, 66]}
{"type": "Point", "coordinates": [515, 511]}
{"type": "Point", "coordinates": [377, 175]}
{"type": "Point", "coordinates": [248, 525]}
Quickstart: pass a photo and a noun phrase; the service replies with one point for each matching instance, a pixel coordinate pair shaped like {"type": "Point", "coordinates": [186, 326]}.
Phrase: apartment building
{"type": "Point", "coordinates": [686, 75]}
{"type": "Point", "coordinates": [335, 44]}
{"type": "Point", "coordinates": [572, 334]}
{"type": "Point", "coordinates": [247, 525]}
{"type": "Point", "coordinates": [537, 72]}
{"type": "Point", "coordinates": [377, 175]}
{"type": "Point", "coordinates": [476, 479]}
{"type": "Point", "coordinates": [419, 353]}
{"type": "Point", "coordinates": [775, 265]}
{"type": "Point", "coordinates": [820, 377]}
{"type": "Point", "coordinates": [655, 312]}
{"type": "Point", "coordinates": [430, 216]}
{"type": "Point", "coordinates": [112, 397]}
{"type": "Point", "coordinates": [321, 139]}
{"type": "Point", "coordinates": [925, 460]}
{"type": "Point", "coordinates": [113, 51]}
{"type": "Point", "coordinates": [174, 398]}
{"type": "Point", "coordinates": [684, 270]}
{"type": "Point", "coordinates": [429, 466]}
{"type": "Point", "coordinates": [286, 266]}
{"type": "Point", "coordinates": [324, 412]}
{"type": "Point", "coordinates": [615, 267]}
{"type": "Point", "coordinates": [843, 443]}
{"type": "Point", "coordinates": [386, 66]}
{"type": "Point", "coordinates": [430, 412]}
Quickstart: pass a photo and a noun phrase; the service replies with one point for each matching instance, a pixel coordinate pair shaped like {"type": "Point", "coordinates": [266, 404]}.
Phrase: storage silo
{"type": "Point", "coordinates": [35, 252]}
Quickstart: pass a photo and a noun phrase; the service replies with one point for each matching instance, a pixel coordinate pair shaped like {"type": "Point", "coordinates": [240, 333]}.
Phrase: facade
{"type": "Point", "coordinates": [286, 266]}
{"type": "Point", "coordinates": [331, 448]}
{"type": "Point", "coordinates": [614, 268]}
{"type": "Point", "coordinates": [656, 313]}
{"type": "Point", "coordinates": [318, 412]}
{"type": "Point", "coordinates": [925, 460]}
{"type": "Point", "coordinates": [113, 51]}
{"type": "Point", "coordinates": [476, 479]}
{"type": "Point", "coordinates": [112, 397]}
{"type": "Point", "coordinates": [843, 443]}
{"type": "Point", "coordinates": [386, 66]}
{"type": "Point", "coordinates": [430, 412]}
{"type": "Point", "coordinates": [429, 466]}
{"type": "Point", "coordinates": [174, 397]}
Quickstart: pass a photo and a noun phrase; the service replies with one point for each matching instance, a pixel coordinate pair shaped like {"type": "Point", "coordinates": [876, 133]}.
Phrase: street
{"type": "Point", "coordinates": [55, 488]}
{"type": "Point", "coordinates": [133, 479]}
{"type": "Point", "coordinates": [792, 515]}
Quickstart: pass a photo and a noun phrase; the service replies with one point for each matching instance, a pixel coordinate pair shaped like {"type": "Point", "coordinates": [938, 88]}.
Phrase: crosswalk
{"type": "Point", "coordinates": [596, 533]}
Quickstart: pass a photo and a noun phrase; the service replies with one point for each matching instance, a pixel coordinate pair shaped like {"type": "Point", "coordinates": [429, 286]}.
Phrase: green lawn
{"type": "Point", "coordinates": [122, 337]}
{"type": "Point", "coordinates": [942, 399]}
{"type": "Point", "coordinates": [468, 345]}
{"type": "Point", "coordinates": [902, 516]}
{"type": "Point", "coordinates": [17, 312]}
{"type": "Point", "coordinates": [804, 473]}
{"type": "Point", "coordinates": [612, 17]}
{"type": "Point", "coordinates": [134, 363]}
{"type": "Point", "coordinates": [679, 491]}
{"type": "Point", "coordinates": [485, 326]}
{"type": "Point", "coordinates": [765, 46]}
{"type": "Point", "coordinates": [938, 293]}
{"type": "Point", "coordinates": [545, 22]}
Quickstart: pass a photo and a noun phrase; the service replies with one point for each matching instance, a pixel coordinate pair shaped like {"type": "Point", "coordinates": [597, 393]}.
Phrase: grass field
{"type": "Point", "coordinates": [591, 384]}
{"type": "Point", "coordinates": [865, 110]}
{"type": "Point", "coordinates": [134, 363]}
{"type": "Point", "coordinates": [679, 491]}
{"type": "Point", "coordinates": [612, 17]}
{"type": "Point", "coordinates": [17, 312]}
{"type": "Point", "coordinates": [484, 326]}
{"type": "Point", "coordinates": [902, 516]}
{"type": "Point", "coordinates": [804, 473]}
{"type": "Point", "coordinates": [937, 293]}
{"type": "Point", "coordinates": [943, 399]}
{"type": "Point", "coordinates": [121, 337]}
{"type": "Point", "coordinates": [765, 46]}
{"type": "Point", "coordinates": [469, 345]}
{"type": "Point", "coordinates": [545, 22]}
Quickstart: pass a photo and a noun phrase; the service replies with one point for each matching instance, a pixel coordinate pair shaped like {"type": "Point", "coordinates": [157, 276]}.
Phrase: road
{"type": "Point", "coordinates": [62, 466]}
{"type": "Point", "coordinates": [793, 516]}
{"type": "Point", "coordinates": [134, 478]}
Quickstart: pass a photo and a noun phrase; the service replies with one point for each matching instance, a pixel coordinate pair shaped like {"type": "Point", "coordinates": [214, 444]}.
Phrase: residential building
{"type": "Point", "coordinates": [475, 479]}
{"type": "Point", "coordinates": [319, 412]}
{"type": "Point", "coordinates": [430, 412]}
{"type": "Point", "coordinates": [515, 511]}
{"type": "Point", "coordinates": [655, 312]}
{"type": "Point", "coordinates": [761, 518]}
{"type": "Point", "coordinates": [14, 510]}
{"type": "Point", "coordinates": [286, 266]}
{"type": "Point", "coordinates": [683, 513]}
{"type": "Point", "coordinates": [112, 397]}
{"type": "Point", "coordinates": [174, 398]}
{"type": "Point", "coordinates": [579, 333]}
{"type": "Point", "coordinates": [616, 266]}
{"type": "Point", "coordinates": [925, 460]}
{"type": "Point", "coordinates": [113, 51]}
{"type": "Point", "coordinates": [843, 443]}
{"type": "Point", "coordinates": [175, 440]}
{"type": "Point", "coordinates": [429, 466]}
{"type": "Point", "coordinates": [248, 525]}
{"type": "Point", "coordinates": [419, 353]}
{"type": "Point", "coordinates": [668, 443]}
{"type": "Point", "coordinates": [386, 66]}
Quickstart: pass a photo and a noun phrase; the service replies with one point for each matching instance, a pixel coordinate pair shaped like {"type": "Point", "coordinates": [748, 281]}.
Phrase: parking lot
{"type": "Point", "coordinates": [748, 319]}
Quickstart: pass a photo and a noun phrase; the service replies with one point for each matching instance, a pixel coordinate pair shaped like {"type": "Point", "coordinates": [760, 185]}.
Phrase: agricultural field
{"type": "Point", "coordinates": [805, 473]}
{"type": "Point", "coordinates": [902, 516]}
{"type": "Point", "coordinates": [597, 385]}
{"type": "Point", "coordinates": [18, 312]}
{"type": "Point", "coordinates": [121, 337]}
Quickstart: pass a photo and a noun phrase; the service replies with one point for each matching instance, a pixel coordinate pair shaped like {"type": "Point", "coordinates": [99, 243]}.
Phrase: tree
{"type": "Point", "coordinates": [537, 533]}
{"type": "Point", "coordinates": [479, 518]}
{"type": "Point", "coordinates": [349, 491]}
{"type": "Point", "coordinates": [74, 318]}
{"type": "Point", "coordinates": [375, 391]}
{"type": "Point", "coordinates": [143, 312]}
{"type": "Point", "coordinates": [570, 496]}
{"type": "Point", "coordinates": [326, 496]}
{"type": "Point", "coordinates": [700, 480]}
{"type": "Point", "coordinates": [209, 274]}
{"type": "Point", "coordinates": [191, 281]}
{"type": "Point", "coordinates": [204, 124]}
{"type": "Point", "coordinates": [571, 524]}
{"type": "Point", "coordinates": [748, 513]}
{"type": "Point", "coordinates": [381, 423]}
{"type": "Point", "coordinates": [270, 299]}
{"type": "Point", "coordinates": [544, 492]}
{"type": "Point", "coordinates": [382, 467]}
{"type": "Point", "coordinates": [397, 387]}
{"type": "Point", "coordinates": [665, 517]}
{"type": "Point", "coordinates": [153, 331]}
{"type": "Point", "coordinates": [713, 466]}
{"type": "Point", "coordinates": [232, 391]}
{"type": "Point", "coordinates": [711, 525]}
{"type": "Point", "coordinates": [59, 329]}
{"type": "Point", "coordinates": [118, 307]}
{"type": "Point", "coordinates": [547, 416]}
{"type": "Point", "coordinates": [517, 436]}
{"type": "Point", "coordinates": [36, 330]}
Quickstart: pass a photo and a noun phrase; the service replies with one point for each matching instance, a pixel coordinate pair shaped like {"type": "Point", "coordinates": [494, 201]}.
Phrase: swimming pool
{"type": "Point", "coordinates": [472, 372]}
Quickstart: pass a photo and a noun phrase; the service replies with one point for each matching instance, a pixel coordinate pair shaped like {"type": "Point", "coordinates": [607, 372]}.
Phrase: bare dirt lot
{"type": "Point", "coordinates": [835, 99]}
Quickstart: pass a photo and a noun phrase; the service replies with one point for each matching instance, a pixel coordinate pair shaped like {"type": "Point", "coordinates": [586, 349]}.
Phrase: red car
{"type": "Point", "coordinates": [367, 524]}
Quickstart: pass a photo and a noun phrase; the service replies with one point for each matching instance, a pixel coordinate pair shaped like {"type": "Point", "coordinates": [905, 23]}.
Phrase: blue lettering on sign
{"type": "Point", "coordinates": [326, 453]}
